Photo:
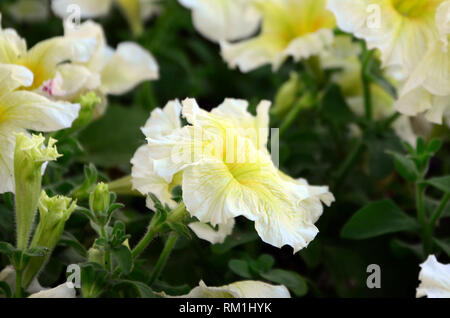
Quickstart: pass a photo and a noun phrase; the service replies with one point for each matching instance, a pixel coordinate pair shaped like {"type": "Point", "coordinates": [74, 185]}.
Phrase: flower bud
{"type": "Point", "coordinates": [87, 105]}
{"type": "Point", "coordinates": [99, 199]}
{"type": "Point", "coordinates": [29, 156]}
{"type": "Point", "coordinates": [53, 212]}
{"type": "Point", "coordinates": [287, 95]}
{"type": "Point", "coordinates": [95, 255]}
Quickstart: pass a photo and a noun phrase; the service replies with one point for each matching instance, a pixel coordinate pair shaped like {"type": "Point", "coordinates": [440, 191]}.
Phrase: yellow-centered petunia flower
{"type": "Point", "coordinates": [297, 28]}
{"type": "Point", "coordinates": [43, 59]}
{"type": "Point", "coordinates": [227, 172]}
{"type": "Point", "coordinates": [162, 122]}
{"type": "Point", "coordinates": [401, 29]}
{"type": "Point", "coordinates": [21, 110]}
{"type": "Point", "coordinates": [427, 89]}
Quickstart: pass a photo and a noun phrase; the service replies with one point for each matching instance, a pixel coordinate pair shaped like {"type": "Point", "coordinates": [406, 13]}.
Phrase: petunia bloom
{"type": "Point", "coordinates": [21, 110]}
{"type": "Point", "coordinates": [434, 279]}
{"type": "Point", "coordinates": [242, 289]}
{"type": "Point", "coordinates": [344, 56]}
{"type": "Point", "coordinates": [162, 122]}
{"type": "Point", "coordinates": [227, 20]}
{"type": "Point", "coordinates": [296, 28]}
{"type": "Point", "coordinates": [45, 58]}
{"type": "Point", "coordinates": [107, 71]}
{"type": "Point", "coordinates": [227, 172]}
{"type": "Point", "coordinates": [400, 29]}
{"type": "Point", "coordinates": [427, 89]}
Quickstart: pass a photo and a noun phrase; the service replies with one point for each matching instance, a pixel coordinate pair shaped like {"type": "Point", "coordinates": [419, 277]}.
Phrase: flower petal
{"type": "Point", "coordinates": [145, 180]}
{"type": "Point", "coordinates": [224, 19]}
{"type": "Point", "coordinates": [130, 65]}
{"type": "Point", "coordinates": [435, 279]}
{"type": "Point", "coordinates": [163, 121]}
{"type": "Point", "coordinates": [61, 291]}
{"type": "Point", "coordinates": [32, 111]}
{"type": "Point", "coordinates": [242, 289]}
{"type": "Point", "coordinates": [207, 233]}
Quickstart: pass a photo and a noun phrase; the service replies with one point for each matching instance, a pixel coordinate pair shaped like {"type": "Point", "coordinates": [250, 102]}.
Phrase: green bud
{"type": "Point", "coordinates": [87, 103]}
{"type": "Point", "coordinates": [99, 200]}
{"type": "Point", "coordinates": [96, 255]}
{"type": "Point", "coordinates": [287, 95]}
{"type": "Point", "coordinates": [53, 212]}
{"type": "Point", "coordinates": [29, 156]}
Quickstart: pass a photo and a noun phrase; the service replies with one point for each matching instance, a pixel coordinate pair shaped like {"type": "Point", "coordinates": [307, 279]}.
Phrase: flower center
{"type": "Point", "coordinates": [414, 8]}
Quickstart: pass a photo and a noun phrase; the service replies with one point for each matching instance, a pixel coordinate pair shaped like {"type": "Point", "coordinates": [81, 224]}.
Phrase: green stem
{"type": "Point", "coordinates": [154, 228]}
{"type": "Point", "coordinates": [18, 293]}
{"type": "Point", "coordinates": [107, 255]}
{"type": "Point", "coordinates": [349, 162]}
{"type": "Point", "coordinates": [427, 242]}
{"type": "Point", "coordinates": [391, 119]}
{"type": "Point", "coordinates": [367, 61]}
{"type": "Point", "coordinates": [419, 205]}
{"type": "Point", "coordinates": [123, 186]}
{"type": "Point", "coordinates": [163, 257]}
{"type": "Point", "coordinates": [438, 212]}
{"type": "Point", "coordinates": [304, 102]}
{"type": "Point", "coordinates": [314, 67]}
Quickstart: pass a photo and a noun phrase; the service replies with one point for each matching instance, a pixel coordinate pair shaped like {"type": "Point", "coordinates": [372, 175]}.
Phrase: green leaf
{"type": "Point", "coordinates": [140, 289]}
{"type": "Point", "coordinates": [240, 268]}
{"type": "Point", "coordinates": [405, 166]}
{"type": "Point", "coordinates": [441, 183]}
{"type": "Point", "coordinates": [434, 146]}
{"type": "Point", "coordinates": [378, 218]}
{"type": "Point", "coordinates": [67, 239]}
{"type": "Point", "coordinates": [290, 279]}
{"type": "Point", "coordinates": [108, 141]}
{"type": "Point", "coordinates": [5, 289]}
{"type": "Point", "coordinates": [123, 257]}
{"type": "Point", "coordinates": [403, 249]}
{"type": "Point", "coordinates": [7, 249]}
{"type": "Point", "coordinates": [264, 263]}
{"type": "Point", "coordinates": [444, 245]}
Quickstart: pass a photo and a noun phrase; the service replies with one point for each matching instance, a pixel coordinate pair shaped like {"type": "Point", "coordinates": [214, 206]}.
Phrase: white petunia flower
{"type": "Point", "coordinates": [144, 178]}
{"type": "Point", "coordinates": [43, 59]}
{"type": "Point", "coordinates": [61, 291]}
{"type": "Point", "coordinates": [242, 289]}
{"type": "Point", "coordinates": [21, 110]}
{"type": "Point", "coordinates": [297, 28]}
{"type": "Point", "coordinates": [434, 279]}
{"type": "Point", "coordinates": [107, 71]}
{"type": "Point", "coordinates": [227, 172]}
{"type": "Point", "coordinates": [223, 19]}
{"type": "Point", "coordinates": [401, 29]}
{"type": "Point", "coordinates": [343, 55]}
{"type": "Point", "coordinates": [427, 89]}
{"type": "Point", "coordinates": [135, 11]}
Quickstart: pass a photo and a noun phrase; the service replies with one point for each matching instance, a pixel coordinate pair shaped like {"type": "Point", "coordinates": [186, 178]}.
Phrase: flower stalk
{"type": "Point", "coordinates": [156, 227]}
